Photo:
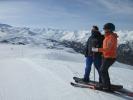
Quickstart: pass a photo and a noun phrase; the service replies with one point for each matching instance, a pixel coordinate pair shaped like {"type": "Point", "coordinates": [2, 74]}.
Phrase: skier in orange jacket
{"type": "Point", "coordinates": [109, 51]}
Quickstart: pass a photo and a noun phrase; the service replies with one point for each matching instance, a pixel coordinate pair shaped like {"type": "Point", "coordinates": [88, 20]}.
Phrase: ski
{"type": "Point", "coordinates": [113, 86]}
{"type": "Point", "coordinates": [120, 92]}
{"type": "Point", "coordinates": [117, 89]}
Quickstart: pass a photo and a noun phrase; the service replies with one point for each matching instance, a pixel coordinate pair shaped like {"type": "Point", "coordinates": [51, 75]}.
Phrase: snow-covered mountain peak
{"type": "Point", "coordinates": [7, 31]}
{"type": "Point", "coordinates": [4, 25]}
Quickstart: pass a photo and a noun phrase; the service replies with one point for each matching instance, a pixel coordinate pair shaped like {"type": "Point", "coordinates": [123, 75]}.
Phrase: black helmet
{"type": "Point", "coordinates": [109, 26]}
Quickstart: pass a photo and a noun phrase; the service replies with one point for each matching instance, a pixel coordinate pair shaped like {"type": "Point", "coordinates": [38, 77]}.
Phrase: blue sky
{"type": "Point", "coordinates": [67, 14]}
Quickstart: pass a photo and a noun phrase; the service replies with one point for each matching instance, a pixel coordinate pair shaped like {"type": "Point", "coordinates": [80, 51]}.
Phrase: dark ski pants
{"type": "Point", "coordinates": [107, 62]}
{"type": "Point", "coordinates": [97, 63]}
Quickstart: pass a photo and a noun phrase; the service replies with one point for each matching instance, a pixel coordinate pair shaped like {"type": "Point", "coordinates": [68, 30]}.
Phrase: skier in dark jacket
{"type": "Point", "coordinates": [95, 40]}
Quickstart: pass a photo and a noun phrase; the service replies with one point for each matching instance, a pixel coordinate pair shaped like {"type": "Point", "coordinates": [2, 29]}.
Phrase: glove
{"type": "Point", "coordinates": [94, 49]}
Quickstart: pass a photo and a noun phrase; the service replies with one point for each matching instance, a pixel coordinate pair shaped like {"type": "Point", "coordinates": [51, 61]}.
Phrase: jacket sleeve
{"type": "Point", "coordinates": [109, 45]}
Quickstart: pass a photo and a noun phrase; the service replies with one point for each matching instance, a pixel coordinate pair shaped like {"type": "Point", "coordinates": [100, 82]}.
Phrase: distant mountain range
{"type": "Point", "coordinates": [56, 38]}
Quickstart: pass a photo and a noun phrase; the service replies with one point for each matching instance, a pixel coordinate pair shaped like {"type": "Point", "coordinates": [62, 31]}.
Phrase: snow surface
{"type": "Point", "coordinates": [37, 73]}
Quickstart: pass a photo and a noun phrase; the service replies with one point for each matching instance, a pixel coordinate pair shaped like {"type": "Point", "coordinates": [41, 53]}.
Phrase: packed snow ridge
{"type": "Point", "coordinates": [37, 73]}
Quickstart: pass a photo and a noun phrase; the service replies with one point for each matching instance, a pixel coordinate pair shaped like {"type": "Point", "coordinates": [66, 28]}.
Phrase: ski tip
{"type": "Point", "coordinates": [71, 83]}
{"type": "Point", "coordinates": [74, 77]}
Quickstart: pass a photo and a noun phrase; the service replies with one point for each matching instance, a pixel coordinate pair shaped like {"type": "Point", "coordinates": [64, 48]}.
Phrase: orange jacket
{"type": "Point", "coordinates": [109, 49]}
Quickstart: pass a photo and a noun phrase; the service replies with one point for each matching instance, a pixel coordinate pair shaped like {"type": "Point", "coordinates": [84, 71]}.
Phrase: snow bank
{"type": "Point", "coordinates": [32, 73]}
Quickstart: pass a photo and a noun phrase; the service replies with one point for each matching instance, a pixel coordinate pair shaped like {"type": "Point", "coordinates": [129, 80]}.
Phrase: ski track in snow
{"type": "Point", "coordinates": [32, 73]}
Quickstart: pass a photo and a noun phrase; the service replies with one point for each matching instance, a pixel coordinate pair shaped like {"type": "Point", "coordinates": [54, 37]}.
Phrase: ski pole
{"type": "Point", "coordinates": [94, 74]}
{"type": "Point", "coordinates": [94, 68]}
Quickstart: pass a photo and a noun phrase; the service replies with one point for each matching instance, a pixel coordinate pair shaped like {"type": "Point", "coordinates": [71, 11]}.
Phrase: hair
{"type": "Point", "coordinates": [95, 27]}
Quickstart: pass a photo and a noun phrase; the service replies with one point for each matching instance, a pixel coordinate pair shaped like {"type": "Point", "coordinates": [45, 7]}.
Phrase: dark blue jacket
{"type": "Point", "coordinates": [95, 40]}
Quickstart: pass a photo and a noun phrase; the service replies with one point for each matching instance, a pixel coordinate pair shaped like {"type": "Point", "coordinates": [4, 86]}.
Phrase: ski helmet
{"type": "Point", "coordinates": [109, 26]}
